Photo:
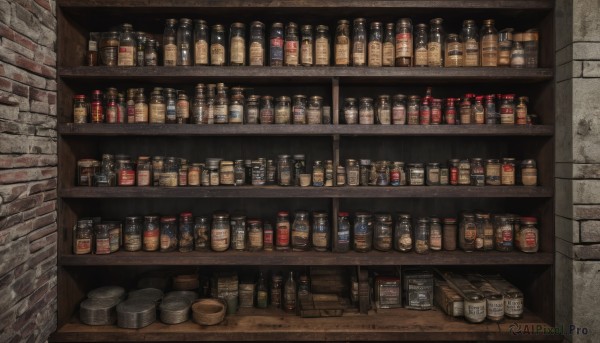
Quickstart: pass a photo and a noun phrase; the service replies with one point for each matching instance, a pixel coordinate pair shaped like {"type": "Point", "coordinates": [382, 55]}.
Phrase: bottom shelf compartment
{"type": "Point", "coordinates": [272, 325]}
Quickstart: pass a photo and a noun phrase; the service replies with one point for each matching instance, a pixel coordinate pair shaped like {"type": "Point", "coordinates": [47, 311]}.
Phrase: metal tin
{"type": "Point", "coordinates": [136, 313]}
{"type": "Point", "coordinates": [98, 311]}
{"type": "Point", "coordinates": [174, 310]}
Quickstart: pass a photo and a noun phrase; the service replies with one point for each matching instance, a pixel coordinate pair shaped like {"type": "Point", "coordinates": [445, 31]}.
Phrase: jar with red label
{"type": "Point", "coordinates": [80, 109]}
{"type": "Point", "coordinates": [413, 110]}
{"type": "Point", "coordinates": [144, 171]}
{"type": "Point", "coordinates": [453, 171]}
{"type": "Point", "coordinates": [467, 232]}
{"type": "Point", "coordinates": [112, 110]}
{"type": "Point", "coordinates": [436, 111]}
{"type": "Point", "coordinates": [465, 109]}
{"type": "Point", "coordinates": [82, 237]}
{"type": "Point", "coordinates": [507, 172]}
{"type": "Point", "coordinates": [507, 110]}
{"type": "Point", "coordinates": [168, 234]}
{"type": "Point", "coordinates": [267, 236]}
{"type": "Point", "coordinates": [282, 233]}
{"type": "Point", "coordinates": [102, 239]}
{"type": "Point", "coordinates": [96, 108]}
{"type": "Point", "coordinates": [126, 173]}
{"type": "Point", "coordinates": [527, 238]}
{"type": "Point", "coordinates": [276, 45]}
{"type": "Point", "coordinates": [151, 234]}
{"type": "Point", "coordinates": [425, 112]}
{"type": "Point", "coordinates": [404, 43]}
{"type": "Point", "coordinates": [450, 111]}
{"type": "Point", "coordinates": [291, 49]}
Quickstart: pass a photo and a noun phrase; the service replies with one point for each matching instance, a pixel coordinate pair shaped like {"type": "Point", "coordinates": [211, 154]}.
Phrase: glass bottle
{"type": "Point", "coordinates": [282, 231]}
{"type": "Point", "coordinates": [318, 174]}
{"type": "Point", "coordinates": [322, 47]}
{"type": "Point", "coordinates": [111, 109]}
{"type": "Point", "coordinates": [363, 232]}
{"type": "Point", "coordinates": [413, 110]}
{"type": "Point", "coordinates": [492, 172]}
{"type": "Point", "coordinates": [321, 232]}
{"type": "Point", "coordinates": [383, 232]}
{"type": "Point", "coordinates": [289, 294]}
{"type": "Point", "coordinates": [350, 111]}
{"type": "Point", "coordinates": [527, 238]}
{"type": "Point", "coordinates": [425, 112]}
{"type": "Point", "coordinates": [255, 235]}
{"type": "Point", "coordinates": [236, 109]}
{"type": "Point", "coordinates": [389, 49]}
{"type": "Point", "coordinates": [352, 173]}
{"type": "Point", "coordinates": [489, 44]}
{"type": "Point", "coordinates": [182, 109]}
{"type": "Point", "coordinates": [384, 111]}
{"type": "Point", "coordinates": [151, 234]}
{"type": "Point", "coordinates": [505, 42]}
{"type": "Point", "coordinates": [470, 39]}
{"type": "Point", "coordinates": [168, 234]}
{"type": "Point", "coordinates": [454, 51]}
{"type": "Point", "coordinates": [341, 243]}
{"type": "Point", "coordinates": [201, 234]}
{"type": "Point", "coordinates": [366, 113]}
{"type": "Point", "coordinates": [531, 47]}
{"type": "Point", "coordinates": [299, 167]}
{"type": "Point", "coordinates": [488, 230]}
{"type": "Point", "coordinates": [150, 53]}
{"type": "Point", "coordinates": [503, 232]}
{"type": "Point", "coordinates": [144, 171]}
{"type": "Point", "coordinates": [171, 106]}
{"type": "Point", "coordinates": [262, 293]}
{"type": "Point", "coordinates": [267, 112]}
{"type": "Point", "coordinates": [300, 232]}
{"type": "Point", "coordinates": [375, 50]}
{"type": "Point", "coordinates": [267, 236]}
{"type": "Point", "coordinates": [101, 239]}
{"type": "Point", "coordinates": [184, 42]}
{"type": "Point", "coordinates": [342, 43]}
{"type": "Point", "coordinates": [257, 44]}
{"type": "Point", "coordinates": [478, 112]}
{"type": "Point", "coordinates": [307, 46]}
{"type": "Point", "coordinates": [328, 173]}
{"type": "Point", "coordinates": [220, 232]}
{"type": "Point", "coordinates": [199, 105]}
{"type": "Point", "coordinates": [127, 54]}
{"type": "Point", "coordinates": [517, 53]}
{"type": "Point", "coordinates": [276, 290]}
{"type": "Point", "coordinates": [420, 43]}
{"type": "Point", "coordinates": [507, 110]}
{"type": "Point", "coordinates": [521, 111]}
{"type": "Point", "coordinates": [528, 173]}
{"type": "Point", "coordinates": [237, 44]}
{"type": "Point", "coordinates": [217, 45]}
{"type": "Point", "coordinates": [169, 46]}
{"type": "Point", "coordinates": [467, 232]}
{"type": "Point", "coordinates": [435, 44]}
{"type": "Point", "coordinates": [141, 108]}
{"type": "Point", "coordinates": [422, 236]}
{"type": "Point", "coordinates": [399, 109]}
{"type": "Point", "coordinates": [109, 48]}
{"type": "Point", "coordinates": [132, 234]}
{"type": "Point", "coordinates": [299, 109]}
{"type": "Point", "coordinates": [251, 110]}
{"type": "Point", "coordinates": [404, 43]}
{"type": "Point", "coordinates": [283, 110]}
{"type": "Point", "coordinates": [466, 110]}
{"type": "Point", "coordinates": [507, 173]}
{"type": "Point", "coordinates": [284, 170]}
{"type": "Point", "coordinates": [80, 109]}
{"type": "Point", "coordinates": [221, 105]}
{"type": "Point", "coordinates": [200, 43]}
{"type": "Point", "coordinates": [140, 48]}
{"type": "Point", "coordinates": [359, 42]}
{"type": "Point", "coordinates": [186, 233]}
{"type": "Point", "coordinates": [291, 46]}
{"type": "Point", "coordinates": [276, 45]}
{"type": "Point", "coordinates": [450, 111]}
{"type": "Point", "coordinates": [490, 110]}
{"type": "Point", "coordinates": [435, 234]}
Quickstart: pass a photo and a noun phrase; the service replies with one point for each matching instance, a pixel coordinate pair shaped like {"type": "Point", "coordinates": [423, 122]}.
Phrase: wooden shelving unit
{"type": "Point", "coordinates": [533, 273]}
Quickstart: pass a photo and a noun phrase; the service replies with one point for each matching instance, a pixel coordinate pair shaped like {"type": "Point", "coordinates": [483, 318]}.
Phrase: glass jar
{"type": "Point", "coordinates": [300, 232]}
{"type": "Point", "coordinates": [464, 173]}
{"type": "Point", "coordinates": [109, 48]}
{"type": "Point", "coordinates": [413, 109]}
{"type": "Point", "coordinates": [201, 234]}
{"type": "Point", "coordinates": [236, 109]}
{"type": "Point", "coordinates": [276, 290]}
{"type": "Point", "coordinates": [403, 233]}
{"type": "Point", "coordinates": [341, 242]}
{"type": "Point", "coordinates": [352, 173]}
{"type": "Point", "coordinates": [521, 111]}
{"type": "Point", "coordinates": [307, 46]}
{"type": "Point", "coordinates": [255, 235]}
{"type": "Point", "coordinates": [505, 42]}
{"type": "Point", "coordinates": [467, 232]}
{"type": "Point", "coordinates": [382, 232]}
{"type": "Point", "coordinates": [528, 173]}
{"type": "Point", "coordinates": [284, 170]}
{"type": "Point", "coordinates": [226, 173]}
{"type": "Point", "coordinates": [182, 108]}
{"type": "Point", "coordinates": [470, 39]}
{"type": "Point", "coordinates": [365, 170]}
{"type": "Point", "coordinates": [217, 45]}
{"type": "Point", "coordinates": [453, 167]}
{"type": "Point", "coordinates": [239, 173]}
{"type": "Point", "coordinates": [314, 112]}
{"type": "Point", "coordinates": [435, 234]}
{"type": "Point", "coordinates": [101, 239]}
{"type": "Point", "coordinates": [404, 43]}
{"type": "Point", "coordinates": [397, 173]}
{"type": "Point", "coordinates": [144, 171]}
{"type": "Point", "coordinates": [507, 173]}
{"type": "Point", "coordinates": [450, 111]}
{"type": "Point", "coordinates": [168, 234]}
{"type": "Point", "coordinates": [322, 47]}
{"type": "Point", "coordinates": [237, 44]}
{"type": "Point", "coordinates": [171, 106]}
{"type": "Point", "coordinates": [444, 175]}
{"type": "Point", "coordinates": [366, 112]}
{"type": "Point", "coordinates": [466, 109]}
{"type": "Point", "coordinates": [454, 51]}
{"type": "Point", "coordinates": [271, 171]}
{"type": "Point", "coordinates": [259, 170]}
{"type": "Point", "coordinates": [328, 173]}
{"type": "Point", "coordinates": [267, 236]}
{"type": "Point", "coordinates": [342, 43]}
{"type": "Point", "coordinates": [151, 234]}
{"type": "Point", "coordinates": [212, 165]}
{"type": "Point", "coordinates": [375, 46]}
{"type": "Point", "coordinates": [489, 44]}
{"type": "Point", "coordinates": [507, 110]}
{"type": "Point", "coordinates": [157, 109]}
{"type": "Point", "coordinates": [449, 234]}
{"type": "Point", "coordinates": [435, 44]}
{"type": "Point", "coordinates": [299, 168]}
{"type": "Point", "coordinates": [80, 109]}
{"type": "Point", "coordinates": [238, 232]}
{"type": "Point", "coordinates": [184, 42]}
{"type": "Point", "coordinates": [491, 117]}
{"type": "Point", "coordinates": [485, 232]}
{"type": "Point", "coordinates": [477, 172]}
{"type": "Point", "coordinates": [389, 49]}
{"type": "Point", "coordinates": [422, 236]}
{"type": "Point", "coordinates": [200, 43]}
{"type": "Point", "coordinates": [363, 232]}
{"type": "Point", "coordinates": [267, 112]}
{"type": "Point", "coordinates": [83, 236]}
{"type": "Point", "coordinates": [492, 172]}
{"type": "Point", "coordinates": [503, 232]}
{"type": "Point", "coordinates": [96, 107]}
{"type": "Point", "coordinates": [199, 105]}
{"type": "Point", "coordinates": [221, 108]}
{"type": "Point", "coordinates": [318, 174]}
{"type": "Point", "coordinates": [350, 111]}
{"type": "Point", "coordinates": [425, 112]}
{"type": "Point", "coordinates": [416, 174]}
{"type": "Point", "coordinates": [276, 45]}
{"type": "Point", "coordinates": [359, 42]}
{"type": "Point", "coordinates": [421, 40]}
{"type": "Point", "coordinates": [399, 109]}
{"type": "Point", "coordinates": [141, 108]}
{"type": "Point", "coordinates": [517, 53]}
{"type": "Point", "coordinates": [436, 111]}
{"type": "Point", "coordinates": [283, 231]}
{"type": "Point", "coordinates": [321, 232]}
{"type": "Point", "coordinates": [433, 174]}
{"type": "Point", "coordinates": [169, 46]}
{"type": "Point", "coordinates": [185, 235]}
{"type": "Point", "coordinates": [531, 47]}
{"type": "Point", "coordinates": [383, 173]}
{"type": "Point", "coordinates": [127, 54]}
{"type": "Point", "coordinates": [252, 110]}
{"type": "Point", "coordinates": [383, 110]}
{"type": "Point", "coordinates": [111, 109]}
{"type": "Point", "coordinates": [150, 53]}
{"type": "Point", "coordinates": [220, 233]}
{"type": "Point", "coordinates": [340, 176]}
{"type": "Point", "coordinates": [528, 235]}
{"type": "Point", "coordinates": [257, 44]}
{"type": "Point", "coordinates": [291, 45]}
{"type": "Point", "coordinates": [299, 109]}
{"type": "Point", "coordinates": [125, 172]}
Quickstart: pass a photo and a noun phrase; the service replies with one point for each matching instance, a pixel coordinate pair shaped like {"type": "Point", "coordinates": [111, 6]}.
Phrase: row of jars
{"type": "Point", "coordinates": [211, 104]}
{"type": "Point", "coordinates": [414, 110]}
{"type": "Point", "coordinates": [367, 231]}
{"type": "Point", "coordinates": [290, 170]}
{"type": "Point", "coordinates": [186, 42]}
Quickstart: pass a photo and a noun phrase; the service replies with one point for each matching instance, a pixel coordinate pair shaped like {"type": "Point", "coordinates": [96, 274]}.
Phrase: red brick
{"type": "Point", "coordinates": [24, 41]}
{"type": "Point", "coordinates": [5, 84]}
{"type": "Point", "coordinates": [50, 195]}
{"type": "Point", "coordinates": [6, 222]}
{"type": "Point", "coordinates": [20, 90]}
{"type": "Point", "coordinates": [7, 32]}
{"type": "Point", "coordinates": [49, 72]}
{"type": "Point", "coordinates": [27, 160]}
{"type": "Point", "coordinates": [20, 205]}
{"type": "Point", "coordinates": [11, 192]}
{"type": "Point", "coordinates": [28, 64]}
{"type": "Point", "coordinates": [52, 98]}
{"type": "Point", "coordinates": [46, 207]}
{"type": "Point", "coordinates": [41, 255]}
{"type": "Point", "coordinates": [29, 174]}
{"type": "Point", "coordinates": [37, 94]}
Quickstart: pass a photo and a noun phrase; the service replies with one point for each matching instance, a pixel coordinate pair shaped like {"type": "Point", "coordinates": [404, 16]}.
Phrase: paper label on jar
{"type": "Point", "coordinates": [165, 242]}
{"type": "Point", "coordinates": [435, 240]}
{"type": "Point", "coordinates": [385, 116]}
{"type": "Point", "coordinates": [399, 115]}
{"type": "Point", "coordinates": [282, 115]}
{"type": "Point", "coordinates": [125, 57]}
{"type": "Point", "coordinates": [322, 51]}
{"type": "Point", "coordinates": [219, 239]}
{"type": "Point", "coordinates": [320, 239]}
{"type": "Point", "coordinates": [302, 235]}
{"type": "Point", "coordinates": [375, 54]}
{"type": "Point", "coordinates": [471, 56]}
{"type": "Point", "coordinates": [508, 175]}
{"type": "Point", "coordinates": [434, 54]}
{"type": "Point", "coordinates": [306, 53]}
{"type": "Point", "coordinates": [221, 114]}
{"type": "Point", "coordinates": [299, 115]}
{"type": "Point", "coordinates": [126, 177]}
{"type": "Point", "coordinates": [102, 246]}
{"type": "Point", "coordinates": [201, 52]}
{"type": "Point", "coordinates": [157, 113]}
{"type": "Point", "coordinates": [359, 53]}
{"type": "Point", "coordinates": [217, 54]}
{"type": "Point", "coordinates": [404, 44]}
{"type": "Point", "coordinates": [236, 114]}
{"type": "Point", "coordinates": [80, 115]}
{"type": "Point", "coordinates": [313, 116]}
{"type": "Point", "coordinates": [421, 56]}
{"type": "Point", "coordinates": [454, 54]}
{"type": "Point", "coordinates": [285, 177]}
{"type": "Point", "coordinates": [530, 240]}
{"type": "Point", "coordinates": [366, 117]}
{"type": "Point", "coordinates": [151, 240]}
{"type": "Point", "coordinates": [513, 307]}
{"type": "Point", "coordinates": [495, 308]}
{"type": "Point", "coordinates": [470, 233]}
{"type": "Point", "coordinates": [238, 50]}
{"type": "Point", "coordinates": [170, 54]}
{"type": "Point", "coordinates": [291, 52]}
{"type": "Point", "coordinates": [521, 115]}
{"type": "Point", "coordinates": [475, 311]}
{"type": "Point", "coordinates": [255, 239]}
{"type": "Point", "coordinates": [257, 54]}
{"type": "Point", "coordinates": [353, 177]}
{"type": "Point", "coordinates": [132, 242]}
{"type": "Point", "coordinates": [360, 242]}
{"type": "Point", "coordinates": [388, 54]}
{"type": "Point", "coordinates": [489, 51]}
{"type": "Point", "coordinates": [276, 49]}
{"type": "Point", "coordinates": [143, 177]}
{"type": "Point", "coordinates": [141, 113]}
{"type": "Point", "coordinates": [111, 114]}
{"type": "Point", "coordinates": [342, 52]}
{"type": "Point", "coordinates": [283, 234]}
{"type": "Point", "coordinates": [318, 178]}
{"type": "Point", "coordinates": [479, 116]}
{"type": "Point", "coordinates": [83, 246]}
{"type": "Point", "coordinates": [266, 115]}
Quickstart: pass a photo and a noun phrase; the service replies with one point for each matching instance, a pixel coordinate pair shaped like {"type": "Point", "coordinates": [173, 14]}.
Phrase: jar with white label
{"type": "Point", "coordinates": [399, 109]}
{"type": "Point", "coordinates": [527, 239]}
{"type": "Point", "coordinates": [238, 232]}
{"type": "Point", "coordinates": [284, 170]}
{"type": "Point", "coordinates": [220, 233]}
{"type": "Point", "coordinates": [321, 233]}
{"type": "Point", "coordinates": [416, 174]}
{"type": "Point", "coordinates": [435, 44]}
{"type": "Point", "coordinates": [350, 111]}
{"type": "Point", "coordinates": [127, 54]}
{"type": "Point", "coordinates": [299, 109]}
{"type": "Point", "coordinates": [226, 173]}
{"type": "Point", "coordinates": [314, 111]}
{"type": "Point", "coordinates": [200, 42]}
{"type": "Point", "coordinates": [352, 173]}
{"type": "Point", "coordinates": [237, 44]}
{"type": "Point", "coordinates": [169, 46]}
{"type": "Point", "coordinates": [528, 173]}
{"type": "Point", "coordinates": [435, 234]}
{"type": "Point", "coordinates": [366, 113]}
{"type": "Point", "coordinates": [384, 111]}
{"type": "Point", "coordinates": [363, 232]}
{"type": "Point", "coordinates": [475, 308]}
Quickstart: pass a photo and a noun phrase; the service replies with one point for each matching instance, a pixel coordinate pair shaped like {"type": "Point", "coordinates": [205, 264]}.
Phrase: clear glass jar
{"type": "Point", "coordinates": [389, 49]}
{"type": "Point", "coordinates": [284, 170]}
{"type": "Point", "coordinates": [221, 107]}
{"type": "Point", "coordinates": [366, 112]}
{"type": "Point", "coordinates": [422, 236]}
{"type": "Point", "coordinates": [375, 47]}
{"type": "Point", "coordinates": [528, 173]}
{"type": "Point", "coordinates": [314, 112]}
{"type": "Point", "coordinates": [201, 234]}
{"type": "Point", "coordinates": [433, 174]}
{"type": "Point", "coordinates": [185, 235]}
{"type": "Point", "coordinates": [328, 173]}
{"type": "Point", "coordinates": [291, 46]}
{"type": "Point", "coordinates": [84, 234]}
{"type": "Point", "coordinates": [453, 169]}
{"type": "Point", "coordinates": [340, 176]}
{"type": "Point", "coordinates": [342, 43]}
{"type": "Point", "coordinates": [531, 47]}
{"type": "Point", "coordinates": [322, 47]}
{"type": "Point", "coordinates": [477, 172]}
{"type": "Point", "coordinates": [151, 234]}
{"type": "Point", "coordinates": [470, 38]}
{"type": "Point", "coordinates": [151, 53]}
{"type": "Point", "coordinates": [255, 235]}
{"type": "Point", "coordinates": [283, 111]}
{"type": "Point", "coordinates": [383, 110]}
{"type": "Point", "coordinates": [503, 232]}
{"type": "Point", "coordinates": [283, 231]}
{"type": "Point", "coordinates": [420, 43]}
{"type": "Point", "coordinates": [435, 234]}
{"type": "Point", "coordinates": [157, 109]}
{"type": "Point", "coordinates": [492, 172]}
{"type": "Point", "coordinates": [259, 170]}
{"type": "Point", "coordinates": [109, 48]}
{"type": "Point", "coordinates": [397, 173]}
{"type": "Point", "coordinates": [226, 173]}
{"type": "Point", "coordinates": [318, 174]}
{"type": "Point", "coordinates": [359, 42]}
{"type": "Point", "coordinates": [508, 171]}
{"type": "Point", "coordinates": [307, 58]}
{"type": "Point", "coordinates": [404, 43]}
{"type": "Point", "coordinates": [341, 242]}
{"type": "Point", "coordinates": [416, 174]}
{"type": "Point", "coordinates": [238, 232]}
{"type": "Point", "coordinates": [217, 45]}
{"type": "Point", "coordinates": [365, 171]}
{"type": "Point", "coordinates": [467, 232]}
{"type": "Point", "coordinates": [489, 44]}
{"type": "Point", "coordinates": [200, 43]}
{"type": "Point", "coordinates": [321, 233]}
{"type": "Point", "coordinates": [383, 173]}
{"type": "Point", "coordinates": [491, 116]}
{"type": "Point", "coordinates": [252, 110]}
{"type": "Point", "coordinates": [132, 234]}
{"type": "Point", "coordinates": [239, 173]}
{"type": "Point", "coordinates": [399, 109]}
{"type": "Point", "coordinates": [236, 109]}
{"type": "Point", "coordinates": [449, 234]}
{"type": "Point", "coordinates": [403, 233]}
{"type": "Point", "coordinates": [299, 161]}
{"type": "Point", "coordinates": [80, 109]}
{"type": "Point", "coordinates": [527, 239]}
{"type": "Point", "coordinates": [435, 44]}
{"type": "Point", "coordinates": [125, 172]}
{"type": "Point", "coordinates": [267, 112]}
{"type": "Point", "coordinates": [299, 109]}
{"type": "Point", "coordinates": [220, 232]}
{"type": "Point", "coordinates": [350, 111]}
{"type": "Point", "coordinates": [505, 42]}
{"type": "Point", "coordinates": [289, 294]}
{"type": "Point", "coordinates": [169, 46]}
{"type": "Point", "coordinates": [267, 236]}
{"type": "Point", "coordinates": [363, 232]}
{"type": "Point", "coordinates": [464, 173]}
{"type": "Point", "coordinates": [168, 234]}
{"type": "Point", "coordinates": [466, 109]}
{"type": "Point", "coordinates": [212, 165]}
{"type": "Point", "coordinates": [184, 42]}
{"type": "Point", "coordinates": [352, 173]}
{"type": "Point", "coordinates": [517, 53]}
{"type": "Point", "coordinates": [271, 172]}
{"type": "Point", "coordinates": [276, 45]}
{"type": "Point", "coordinates": [237, 44]}
{"type": "Point", "coordinates": [300, 232]}
{"type": "Point", "coordinates": [454, 51]}
{"type": "Point", "coordinates": [257, 44]}
{"type": "Point", "coordinates": [199, 111]}
{"type": "Point", "coordinates": [101, 239]}
{"type": "Point", "coordinates": [413, 110]}
{"type": "Point", "coordinates": [127, 54]}
{"type": "Point", "coordinates": [144, 171]}
{"type": "Point", "coordinates": [383, 232]}
{"type": "Point", "coordinates": [171, 106]}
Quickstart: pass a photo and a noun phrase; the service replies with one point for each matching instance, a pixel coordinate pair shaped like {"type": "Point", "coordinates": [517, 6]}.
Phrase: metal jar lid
{"type": "Point", "coordinates": [107, 292]}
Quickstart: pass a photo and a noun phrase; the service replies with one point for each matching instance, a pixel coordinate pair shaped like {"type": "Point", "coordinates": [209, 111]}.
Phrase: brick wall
{"type": "Point", "coordinates": [27, 170]}
{"type": "Point", "coordinates": [578, 167]}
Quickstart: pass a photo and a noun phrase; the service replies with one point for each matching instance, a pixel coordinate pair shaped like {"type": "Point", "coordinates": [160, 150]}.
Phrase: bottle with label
{"type": "Point", "coordinates": [366, 113]}
{"type": "Point", "coordinates": [341, 242]}
{"type": "Point", "coordinates": [200, 43]}
{"type": "Point", "coordinates": [299, 109]}
{"type": "Point", "coordinates": [435, 234]}
{"type": "Point", "coordinates": [489, 44]}
{"type": "Point", "coordinates": [307, 46]}
{"type": "Point", "coordinates": [141, 108]}
{"type": "Point", "coordinates": [517, 53]}
{"type": "Point", "coordinates": [422, 236]}
{"type": "Point", "coordinates": [237, 44]}
{"type": "Point", "coordinates": [282, 231]}
{"type": "Point", "coordinates": [342, 44]}
{"type": "Point", "coordinates": [322, 47]}
{"type": "Point", "coordinates": [257, 44]}
{"type": "Point", "coordinates": [217, 45]}
{"type": "Point", "coordinates": [531, 47]}
{"type": "Point", "coordinates": [389, 48]}
{"type": "Point", "coordinates": [170, 43]}
{"type": "Point", "coordinates": [150, 53]}
{"type": "Point", "coordinates": [184, 42]}
{"type": "Point", "coordinates": [467, 232]}
{"type": "Point", "coordinates": [470, 38]}
{"type": "Point", "coordinates": [363, 232]}
{"type": "Point", "coordinates": [262, 292]}
{"type": "Point", "coordinates": [221, 105]}
{"type": "Point", "coordinates": [527, 238]}
{"type": "Point", "coordinates": [220, 233]}
{"type": "Point", "coordinates": [505, 43]}
{"type": "Point", "coordinates": [267, 111]}
{"type": "Point", "coordinates": [384, 111]}
{"type": "Point", "coordinates": [420, 46]}
{"type": "Point", "coordinates": [382, 232]}
{"type": "Point", "coordinates": [454, 51]}
{"type": "Point", "coordinates": [375, 46]}
{"type": "Point", "coordinates": [109, 48]}
{"type": "Point", "coordinates": [318, 174]}
{"type": "Point", "coordinates": [478, 112]}
{"type": "Point", "coordinates": [283, 110]}
{"type": "Point", "coordinates": [321, 232]}
{"type": "Point", "coordinates": [507, 110]}
{"type": "Point", "coordinates": [359, 42]}
{"type": "Point", "coordinates": [521, 111]}
{"type": "Point", "coordinates": [276, 45]}
{"type": "Point", "coordinates": [435, 44]}
{"type": "Point", "coordinates": [201, 234]}
{"type": "Point", "coordinates": [182, 108]}
{"type": "Point", "coordinates": [404, 43]}
{"type": "Point", "coordinates": [127, 55]}
{"type": "Point", "coordinates": [236, 109]}
{"type": "Point", "coordinates": [168, 234]}
{"type": "Point", "coordinates": [300, 232]}
{"type": "Point", "coordinates": [291, 53]}
{"type": "Point", "coordinates": [140, 39]}
{"type": "Point", "coordinates": [255, 235]}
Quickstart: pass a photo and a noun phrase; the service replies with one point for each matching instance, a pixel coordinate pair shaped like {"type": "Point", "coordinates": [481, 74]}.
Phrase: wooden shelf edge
{"type": "Point", "coordinates": [275, 258]}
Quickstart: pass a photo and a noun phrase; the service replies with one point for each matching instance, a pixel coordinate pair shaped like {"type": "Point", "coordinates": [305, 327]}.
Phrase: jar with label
{"type": "Point", "coordinates": [168, 234]}
{"type": "Point", "coordinates": [201, 234]}
{"type": "Point", "coordinates": [340, 176]}
{"type": "Point", "coordinates": [492, 172]}
{"type": "Point", "coordinates": [328, 173]}
{"type": "Point", "coordinates": [276, 45]}
{"type": "Point", "coordinates": [449, 234]}
{"type": "Point", "coordinates": [318, 174]}
{"type": "Point", "coordinates": [359, 42]}
{"type": "Point", "coordinates": [366, 112]}
{"type": "Point", "coordinates": [259, 172]}
{"type": "Point", "coordinates": [237, 44]}
{"type": "Point", "coordinates": [491, 116]}
{"type": "Point", "coordinates": [433, 174]}
{"type": "Point", "coordinates": [363, 232]}
{"type": "Point", "coordinates": [141, 108]}
{"type": "Point", "coordinates": [157, 110]}
{"type": "Point", "coordinates": [314, 112]}
{"type": "Point", "coordinates": [517, 53]}
{"type": "Point", "coordinates": [489, 44]}
{"type": "Point", "coordinates": [82, 237]}
{"type": "Point", "coordinates": [171, 106]}
{"type": "Point", "coordinates": [251, 113]}
{"type": "Point", "coordinates": [352, 173]}
{"type": "Point", "coordinates": [306, 46]}
{"type": "Point", "coordinates": [475, 308]}
{"type": "Point", "coordinates": [435, 234]}
{"type": "Point", "coordinates": [350, 111]}
{"type": "Point", "coordinates": [257, 44]}
{"type": "Point", "coordinates": [453, 168]}
{"type": "Point", "coordinates": [507, 109]}
{"type": "Point", "coordinates": [200, 43]}
{"type": "Point", "coordinates": [236, 109]}
{"type": "Point", "coordinates": [382, 173]}
{"type": "Point", "coordinates": [404, 43]}
{"type": "Point", "coordinates": [300, 232]}
{"type": "Point", "coordinates": [382, 232]}
{"type": "Point", "coordinates": [477, 172]}
{"type": "Point", "coordinates": [86, 170]}
{"type": "Point", "coordinates": [182, 173]}
{"type": "Point", "coordinates": [444, 175]}
{"type": "Point", "coordinates": [238, 232]}
{"type": "Point", "coordinates": [267, 111]}
{"type": "Point", "coordinates": [413, 110]}
{"type": "Point", "coordinates": [507, 173]}
{"type": "Point", "coordinates": [470, 38]}
{"type": "Point", "coordinates": [150, 53]}
{"type": "Point", "coordinates": [151, 234]}
{"type": "Point", "coordinates": [111, 109]}
{"type": "Point", "coordinates": [322, 47]}
{"type": "Point", "coordinates": [420, 42]}
{"type": "Point", "coordinates": [125, 172]}
{"type": "Point", "coordinates": [375, 47]}
{"type": "Point", "coordinates": [132, 234]}
{"type": "Point", "coordinates": [267, 236]}
{"type": "Point", "coordinates": [127, 54]}
{"type": "Point", "coordinates": [503, 232]}
{"type": "Point", "coordinates": [425, 112]}
{"type": "Point", "coordinates": [422, 236]}
{"type": "Point", "coordinates": [284, 170]}
{"type": "Point", "coordinates": [527, 238]}
{"type": "Point", "coordinates": [416, 174]}
{"type": "Point", "coordinates": [255, 235]}
{"type": "Point", "coordinates": [454, 51]}
{"type": "Point", "coordinates": [399, 109]}
{"type": "Point", "coordinates": [184, 42]}
{"type": "Point", "coordinates": [217, 45]}
{"type": "Point", "coordinates": [521, 111]}
{"type": "Point", "coordinates": [403, 233]}
{"type": "Point", "coordinates": [220, 233]}
{"type": "Point", "coordinates": [299, 109]}
{"type": "Point", "coordinates": [209, 118]}
{"type": "Point", "coordinates": [221, 112]}
{"type": "Point", "coordinates": [226, 173]}
{"type": "Point", "coordinates": [480, 236]}
{"type": "Point", "coordinates": [389, 49]}
{"type": "Point", "coordinates": [342, 43]}
{"type": "Point", "coordinates": [282, 231]}
{"type": "Point", "coordinates": [276, 290]}
{"type": "Point", "coordinates": [291, 45]}
{"type": "Point", "coordinates": [383, 110]}
{"type": "Point", "coordinates": [531, 47]}
{"type": "Point", "coordinates": [106, 176]}
{"type": "Point", "coordinates": [239, 173]}
{"type": "Point", "coordinates": [467, 232]}
{"type": "Point", "coordinates": [169, 175]}
{"type": "Point", "coordinates": [466, 109]}
{"type": "Point", "coordinates": [528, 173]}
{"type": "Point", "coordinates": [321, 232]}
{"type": "Point", "coordinates": [435, 48]}
{"type": "Point", "coordinates": [365, 170]}
{"type": "Point", "coordinates": [96, 107]}
{"type": "Point", "coordinates": [478, 111]}
{"type": "Point", "coordinates": [80, 109]}
{"type": "Point", "coordinates": [464, 173]}
{"type": "Point", "coordinates": [169, 46]}
{"type": "Point", "coordinates": [436, 111]}
{"type": "Point", "coordinates": [185, 234]}
{"type": "Point", "coordinates": [299, 162]}
{"type": "Point", "coordinates": [505, 42]}
{"type": "Point", "coordinates": [144, 171]}
{"type": "Point", "coordinates": [101, 239]}
{"type": "Point", "coordinates": [283, 110]}
{"type": "Point", "coordinates": [396, 173]}
{"type": "Point", "coordinates": [199, 105]}
{"type": "Point", "coordinates": [450, 111]}
{"type": "Point", "coordinates": [109, 48]}
{"type": "Point", "coordinates": [341, 243]}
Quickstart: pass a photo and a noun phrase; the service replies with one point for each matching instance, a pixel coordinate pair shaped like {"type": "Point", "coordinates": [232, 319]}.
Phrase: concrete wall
{"type": "Point", "coordinates": [578, 167]}
{"type": "Point", "coordinates": [27, 170]}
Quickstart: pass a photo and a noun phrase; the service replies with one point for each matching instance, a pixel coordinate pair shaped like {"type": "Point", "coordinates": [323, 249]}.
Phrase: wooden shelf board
{"type": "Point", "coordinates": [70, 129]}
{"type": "Point", "coordinates": [274, 325]}
{"type": "Point", "coordinates": [305, 258]}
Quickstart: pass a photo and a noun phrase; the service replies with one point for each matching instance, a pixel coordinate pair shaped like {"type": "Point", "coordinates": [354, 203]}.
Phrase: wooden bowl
{"type": "Point", "coordinates": [208, 311]}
